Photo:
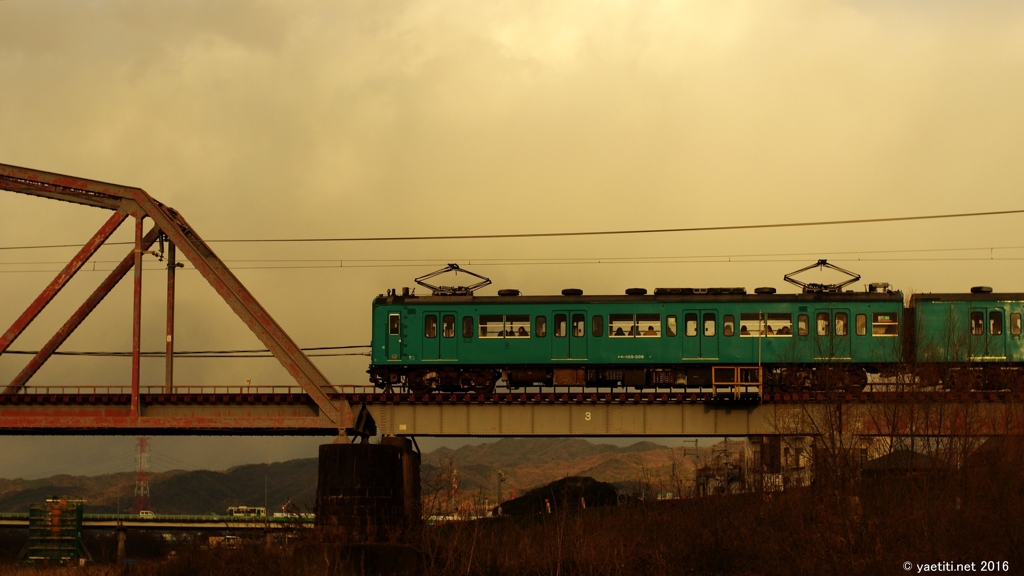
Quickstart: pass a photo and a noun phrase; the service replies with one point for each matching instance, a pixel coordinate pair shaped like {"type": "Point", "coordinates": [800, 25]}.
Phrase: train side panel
{"type": "Point", "coordinates": [508, 331]}
{"type": "Point", "coordinates": [969, 328]}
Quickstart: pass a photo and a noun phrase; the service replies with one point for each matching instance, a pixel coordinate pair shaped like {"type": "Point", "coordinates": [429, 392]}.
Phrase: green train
{"type": "Point", "coordinates": [721, 340]}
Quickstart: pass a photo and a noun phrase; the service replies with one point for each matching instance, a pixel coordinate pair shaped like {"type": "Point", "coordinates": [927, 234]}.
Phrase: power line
{"type": "Point", "coordinates": [379, 262]}
{"type": "Point", "coordinates": [208, 353]}
{"type": "Point", "coordinates": [572, 234]}
{"type": "Point", "coordinates": [588, 261]}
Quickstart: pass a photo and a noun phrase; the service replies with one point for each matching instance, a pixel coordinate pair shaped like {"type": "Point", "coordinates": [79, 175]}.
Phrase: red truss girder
{"type": "Point", "coordinates": [128, 201]}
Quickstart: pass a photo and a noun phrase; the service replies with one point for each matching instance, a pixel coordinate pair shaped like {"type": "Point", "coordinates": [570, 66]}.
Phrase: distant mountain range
{"type": "Point", "coordinates": [530, 462]}
{"type": "Point", "coordinates": [525, 463]}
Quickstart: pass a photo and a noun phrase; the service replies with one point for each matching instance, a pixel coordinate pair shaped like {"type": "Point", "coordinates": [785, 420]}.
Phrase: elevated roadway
{"type": "Point", "coordinates": [172, 522]}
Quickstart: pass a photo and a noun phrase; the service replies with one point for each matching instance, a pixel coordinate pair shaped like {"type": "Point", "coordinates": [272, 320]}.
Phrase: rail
{"type": "Point", "coordinates": [155, 396]}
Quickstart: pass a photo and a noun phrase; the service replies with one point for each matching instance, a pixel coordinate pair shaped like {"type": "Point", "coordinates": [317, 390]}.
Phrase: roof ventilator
{"type": "Point", "coordinates": [981, 290]}
{"type": "Point", "coordinates": [452, 290]}
{"type": "Point", "coordinates": [636, 291]}
{"type": "Point", "coordinates": [572, 292]}
{"type": "Point", "coordinates": [816, 288]}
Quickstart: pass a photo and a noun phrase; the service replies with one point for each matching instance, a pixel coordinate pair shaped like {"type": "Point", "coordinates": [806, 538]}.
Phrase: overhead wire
{"type": "Point", "coordinates": [324, 263]}
{"type": "Point", "coordinates": [206, 354]}
{"type": "Point", "coordinates": [575, 234]}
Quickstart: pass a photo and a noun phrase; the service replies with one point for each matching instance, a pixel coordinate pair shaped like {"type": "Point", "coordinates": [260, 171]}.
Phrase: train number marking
{"type": "Point", "coordinates": [631, 356]}
{"type": "Point", "coordinates": [586, 416]}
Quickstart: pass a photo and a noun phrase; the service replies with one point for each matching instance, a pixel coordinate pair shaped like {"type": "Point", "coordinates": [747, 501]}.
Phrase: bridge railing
{"type": "Point", "coordinates": [243, 390]}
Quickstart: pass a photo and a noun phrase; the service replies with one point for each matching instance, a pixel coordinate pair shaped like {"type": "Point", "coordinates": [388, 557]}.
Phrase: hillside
{"type": "Point", "coordinates": [530, 462]}
{"type": "Point", "coordinates": [177, 491]}
{"type": "Point", "coordinates": [525, 462]}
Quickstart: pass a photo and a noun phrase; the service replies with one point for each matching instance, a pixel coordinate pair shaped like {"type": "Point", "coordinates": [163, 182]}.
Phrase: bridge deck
{"type": "Point", "coordinates": [535, 413]}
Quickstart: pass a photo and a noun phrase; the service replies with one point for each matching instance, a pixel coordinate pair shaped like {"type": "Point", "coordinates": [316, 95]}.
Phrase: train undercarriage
{"type": "Point", "coordinates": [741, 380]}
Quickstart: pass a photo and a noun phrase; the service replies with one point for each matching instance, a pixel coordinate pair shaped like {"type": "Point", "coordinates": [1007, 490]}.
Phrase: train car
{"type": "Point", "coordinates": [970, 341]}
{"type": "Point", "coordinates": [247, 511]}
{"type": "Point", "coordinates": [980, 327]}
{"type": "Point", "coordinates": [675, 338]}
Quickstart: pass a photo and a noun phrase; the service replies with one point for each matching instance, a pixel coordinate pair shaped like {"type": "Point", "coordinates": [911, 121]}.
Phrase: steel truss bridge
{"type": "Point", "coordinates": [313, 406]}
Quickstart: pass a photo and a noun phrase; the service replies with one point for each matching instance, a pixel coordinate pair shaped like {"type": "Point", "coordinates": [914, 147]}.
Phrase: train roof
{"type": "Point", "coordinates": [620, 299]}
{"type": "Point", "coordinates": [968, 297]}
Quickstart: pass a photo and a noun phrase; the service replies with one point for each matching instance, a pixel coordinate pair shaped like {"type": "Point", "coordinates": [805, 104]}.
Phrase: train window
{"type": "Point", "coordinates": [841, 323]}
{"type": "Point", "coordinates": [995, 323]}
{"type": "Point", "coordinates": [579, 325]}
{"type": "Point", "coordinates": [492, 325]}
{"type": "Point", "coordinates": [430, 326]}
{"type": "Point", "coordinates": [884, 324]}
{"type": "Point", "coordinates": [560, 326]}
{"type": "Point", "coordinates": [751, 324]}
{"type": "Point", "coordinates": [620, 325]}
{"type": "Point", "coordinates": [542, 326]}
{"type": "Point", "coordinates": [670, 327]}
{"type": "Point", "coordinates": [822, 321]}
{"type": "Point", "coordinates": [801, 324]}
{"type": "Point", "coordinates": [648, 325]}
{"type": "Point", "coordinates": [597, 326]}
{"type": "Point", "coordinates": [448, 326]}
{"type": "Point", "coordinates": [395, 324]}
{"type": "Point", "coordinates": [690, 324]}
{"type": "Point", "coordinates": [467, 326]}
{"type": "Point", "coordinates": [709, 324]}
{"type": "Point", "coordinates": [1015, 323]}
{"type": "Point", "coordinates": [517, 326]}
{"type": "Point", "coordinates": [862, 324]}
{"type": "Point", "coordinates": [779, 324]}
{"type": "Point", "coordinates": [977, 323]}
{"type": "Point", "coordinates": [728, 325]}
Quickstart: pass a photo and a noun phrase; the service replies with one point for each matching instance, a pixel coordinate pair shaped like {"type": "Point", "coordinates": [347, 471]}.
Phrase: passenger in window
{"type": "Point", "coordinates": [769, 331]}
{"type": "Point", "coordinates": [650, 331]}
{"type": "Point", "coordinates": [522, 332]}
{"type": "Point", "coordinates": [743, 330]}
{"type": "Point", "coordinates": [619, 332]}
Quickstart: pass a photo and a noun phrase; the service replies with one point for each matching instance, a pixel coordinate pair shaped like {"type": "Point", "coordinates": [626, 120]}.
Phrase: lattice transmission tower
{"type": "Point", "coordinates": [141, 501]}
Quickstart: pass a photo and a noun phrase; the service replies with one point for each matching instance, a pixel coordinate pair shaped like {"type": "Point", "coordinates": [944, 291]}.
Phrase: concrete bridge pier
{"type": "Point", "coordinates": [121, 537]}
{"type": "Point", "coordinates": [367, 512]}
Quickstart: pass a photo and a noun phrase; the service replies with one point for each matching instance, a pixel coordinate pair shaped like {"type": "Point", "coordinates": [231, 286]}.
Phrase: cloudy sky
{"type": "Point", "coordinates": [260, 119]}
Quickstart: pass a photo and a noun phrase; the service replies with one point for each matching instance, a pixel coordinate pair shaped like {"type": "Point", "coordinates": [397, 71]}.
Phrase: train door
{"type": "Point", "coordinates": [439, 341]}
{"type": "Point", "coordinates": [841, 323]}
{"type": "Point", "coordinates": [988, 339]}
{"type": "Point", "coordinates": [578, 335]}
{"type": "Point", "coordinates": [431, 342]}
{"type": "Point", "coordinates": [394, 341]}
{"type": "Point", "coordinates": [449, 344]}
{"type": "Point", "coordinates": [709, 334]}
{"type": "Point", "coordinates": [832, 331]}
{"type": "Point", "coordinates": [700, 334]}
{"type": "Point", "coordinates": [569, 335]}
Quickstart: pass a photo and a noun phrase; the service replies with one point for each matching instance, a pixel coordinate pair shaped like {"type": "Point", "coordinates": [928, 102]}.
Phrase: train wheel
{"type": "Point", "coordinates": [484, 382]}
